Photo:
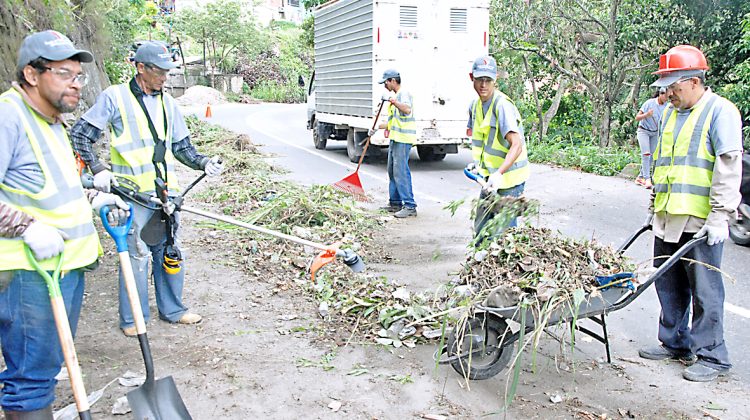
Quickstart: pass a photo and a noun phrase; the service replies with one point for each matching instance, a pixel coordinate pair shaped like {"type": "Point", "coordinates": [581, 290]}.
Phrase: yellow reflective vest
{"type": "Point", "coordinates": [132, 152]}
{"type": "Point", "coordinates": [61, 203]}
{"type": "Point", "coordinates": [403, 128]}
{"type": "Point", "coordinates": [684, 167]}
{"type": "Point", "coordinates": [489, 147]}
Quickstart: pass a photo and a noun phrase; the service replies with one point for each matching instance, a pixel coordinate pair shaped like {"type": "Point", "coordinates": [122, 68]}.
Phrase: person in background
{"type": "Point", "coordinates": [402, 129]}
{"type": "Point", "coordinates": [649, 121]}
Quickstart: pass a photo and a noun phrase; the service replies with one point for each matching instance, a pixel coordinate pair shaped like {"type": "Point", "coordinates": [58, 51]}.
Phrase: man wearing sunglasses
{"type": "Point", "coordinates": [148, 134]}
{"type": "Point", "coordinates": [697, 170]}
{"type": "Point", "coordinates": [43, 207]}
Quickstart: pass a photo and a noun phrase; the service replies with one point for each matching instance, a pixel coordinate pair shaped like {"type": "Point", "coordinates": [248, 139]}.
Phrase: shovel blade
{"type": "Point", "coordinates": [158, 401]}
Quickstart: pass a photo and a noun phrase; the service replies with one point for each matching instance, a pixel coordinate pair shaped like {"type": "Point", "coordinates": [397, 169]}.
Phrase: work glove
{"type": "Point", "coordinates": [44, 241]}
{"type": "Point", "coordinates": [494, 182]}
{"type": "Point", "coordinates": [214, 166]}
{"type": "Point", "coordinates": [371, 132]}
{"type": "Point", "coordinates": [118, 208]}
{"type": "Point", "coordinates": [104, 179]}
{"type": "Point", "coordinates": [716, 233]}
{"type": "Point", "coordinates": [388, 97]}
{"type": "Point", "coordinates": [472, 167]}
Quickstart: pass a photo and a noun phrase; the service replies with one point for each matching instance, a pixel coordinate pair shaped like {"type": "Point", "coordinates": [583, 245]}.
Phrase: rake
{"type": "Point", "coordinates": [351, 183]}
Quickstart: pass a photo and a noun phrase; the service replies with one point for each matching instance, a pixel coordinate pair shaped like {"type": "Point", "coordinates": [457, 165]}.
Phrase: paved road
{"type": "Point", "coordinates": [579, 205]}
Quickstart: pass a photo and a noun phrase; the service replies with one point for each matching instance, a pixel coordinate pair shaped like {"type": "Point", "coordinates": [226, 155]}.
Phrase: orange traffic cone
{"type": "Point", "coordinates": [208, 111]}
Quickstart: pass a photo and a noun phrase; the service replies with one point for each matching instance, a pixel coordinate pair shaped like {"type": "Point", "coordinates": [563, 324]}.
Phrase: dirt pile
{"type": "Point", "coordinates": [201, 95]}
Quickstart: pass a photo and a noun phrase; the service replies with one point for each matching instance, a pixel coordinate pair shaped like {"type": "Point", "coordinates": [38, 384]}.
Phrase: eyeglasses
{"type": "Point", "coordinates": [157, 71]}
{"type": "Point", "coordinates": [69, 76]}
{"type": "Point", "coordinates": [674, 85]}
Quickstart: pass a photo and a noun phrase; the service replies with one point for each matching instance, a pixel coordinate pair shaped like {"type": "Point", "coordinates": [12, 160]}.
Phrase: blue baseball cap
{"type": "Point", "coordinates": [52, 46]}
{"type": "Point", "coordinates": [389, 74]}
{"type": "Point", "coordinates": [484, 66]}
{"type": "Point", "coordinates": [155, 53]}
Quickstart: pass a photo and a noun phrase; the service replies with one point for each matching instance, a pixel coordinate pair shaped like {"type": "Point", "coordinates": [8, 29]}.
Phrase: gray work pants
{"type": "Point", "coordinates": [684, 285]}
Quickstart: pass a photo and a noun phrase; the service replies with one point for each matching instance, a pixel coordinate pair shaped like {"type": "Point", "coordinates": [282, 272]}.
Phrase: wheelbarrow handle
{"type": "Point", "coordinates": [118, 233]}
{"type": "Point", "coordinates": [633, 237]}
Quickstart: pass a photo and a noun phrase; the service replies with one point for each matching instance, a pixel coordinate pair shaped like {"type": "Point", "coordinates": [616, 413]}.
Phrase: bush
{"type": "Point", "coordinates": [273, 91]}
{"type": "Point", "coordinates": [572, 153]}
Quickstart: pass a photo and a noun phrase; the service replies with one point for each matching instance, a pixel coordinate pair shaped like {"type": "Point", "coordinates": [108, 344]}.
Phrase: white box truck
{"type": "Point", "coordinates": [431, 43]}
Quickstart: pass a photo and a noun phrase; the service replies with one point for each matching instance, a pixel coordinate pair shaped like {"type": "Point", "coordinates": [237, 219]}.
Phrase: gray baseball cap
{"type": "Point", "coordinates": [389, 74]}
{"type": "Point", "coordinates": [52, 46]}
{"type": "Point", "coordinates": [155, 53]}
{"type": "Point", "coordinates": [668, 79]}
{"type": "Point", "coordinates": [484, 66]}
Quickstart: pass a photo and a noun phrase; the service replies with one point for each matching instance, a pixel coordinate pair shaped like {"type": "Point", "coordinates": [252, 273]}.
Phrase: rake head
{"type": "Point", "coordinates": [352, 185]}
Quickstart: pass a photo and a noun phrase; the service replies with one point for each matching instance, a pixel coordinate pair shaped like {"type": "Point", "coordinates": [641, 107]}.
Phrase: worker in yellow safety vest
{"type": "Point", "coordinates": [43, 207]}
{"type": "Point", "coordinates": [148, 134]}
{"type": "Point", "coordinates": [401, 129]}
{"type": "Point", "coordinates": [498, 147]}
{"type": "Point", "coordinates": [697, 170]}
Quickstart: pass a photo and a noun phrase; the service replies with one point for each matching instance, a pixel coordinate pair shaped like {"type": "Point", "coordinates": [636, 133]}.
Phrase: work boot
{"type": "Point", "coordinates": [129, 331]}
{"type": "Point", "coordinates": [190, 318]}
{"type": "Point", "coordinates": [406, 212]}
{"type": "Point", "coordinates": [664, 353]}
{"type": "Point", "coordinates": [703, 373]}
{"type": "Point", "coordinates": [391, 208]}
{"type": "Point", "coordinates": [42, 414]}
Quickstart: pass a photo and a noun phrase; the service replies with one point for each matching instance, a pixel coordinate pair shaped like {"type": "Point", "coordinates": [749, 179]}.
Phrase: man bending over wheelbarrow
{"type": "Point", "coordinates": [696, 191]}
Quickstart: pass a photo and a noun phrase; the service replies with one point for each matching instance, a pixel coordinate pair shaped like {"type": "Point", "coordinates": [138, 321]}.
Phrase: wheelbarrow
{"type": "Point", "coordinates": [483, 346]}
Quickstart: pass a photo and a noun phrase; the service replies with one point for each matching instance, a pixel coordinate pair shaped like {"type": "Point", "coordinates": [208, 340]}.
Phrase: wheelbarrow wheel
{"type": "Point", "coordinates": [476, 347]}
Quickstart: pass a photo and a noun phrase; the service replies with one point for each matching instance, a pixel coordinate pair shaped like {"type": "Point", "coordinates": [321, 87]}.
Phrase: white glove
{"type": "Point", "coordinates": [716, 234]}
{"type": "Point", "coordinates": [472, 167]}
{"type": "Point", "coordinates": [371, 132]}
{"type": "Point", "coordinates": [649, 219]}
{"type": "Point", "coordinates": [104, 179]}
{"type": "Point", "coordinates": [44, 240]}
{"type": "Point", "coordinates": [214, 166]}
{"type": "Point", "coordinates": [118, 210]}
{"type": "Point", "coordinates": [494, 181]}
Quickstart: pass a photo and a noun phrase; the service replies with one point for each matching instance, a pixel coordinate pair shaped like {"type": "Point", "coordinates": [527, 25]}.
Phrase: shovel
{"type": "Point", "coordinates": [63, 333]}
{"type": "Point", "coordinates": [155, 399]}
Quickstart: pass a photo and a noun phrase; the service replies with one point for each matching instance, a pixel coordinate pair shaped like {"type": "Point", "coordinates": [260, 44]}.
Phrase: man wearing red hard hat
{"type": "Point", "coordinates": [697, 170]}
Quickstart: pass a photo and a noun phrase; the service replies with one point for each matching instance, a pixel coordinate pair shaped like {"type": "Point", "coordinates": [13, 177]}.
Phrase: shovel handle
{"type": "Point", "coordinates": [64, 334]}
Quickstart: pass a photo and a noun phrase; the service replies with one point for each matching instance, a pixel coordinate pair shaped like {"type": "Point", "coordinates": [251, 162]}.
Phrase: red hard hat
{"type": "Point", "coordinates": [682, 57]}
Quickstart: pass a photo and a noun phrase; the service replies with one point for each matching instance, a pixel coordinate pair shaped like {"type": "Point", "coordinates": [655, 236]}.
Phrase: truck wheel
{"type": "Point", "coordinates": [318, 140]}
{"type": "Point", "coordinates": [427, 154]}
{"type": "Point", "coordinates": [354, 145]}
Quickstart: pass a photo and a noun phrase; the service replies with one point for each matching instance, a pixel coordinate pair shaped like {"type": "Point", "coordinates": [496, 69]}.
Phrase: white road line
{"type": "Point", "coordinates": [378, 178]}
{"type": "Point", "coordinates": [737, 310]}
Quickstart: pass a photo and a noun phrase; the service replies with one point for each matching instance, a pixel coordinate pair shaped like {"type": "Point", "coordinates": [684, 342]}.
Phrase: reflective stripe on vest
{"type": "Point", "coordinates": [60, 204]}
{"type": "Point", "coordinates": [490, 155]}
{"type": "Point", "coordinates": [683, 168]}
{"type": "Point", "coordinates": [132, 152]}
{"type": "Point", "coordinates": [403, 128]}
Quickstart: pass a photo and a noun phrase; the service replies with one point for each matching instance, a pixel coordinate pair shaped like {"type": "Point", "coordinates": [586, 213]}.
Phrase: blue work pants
{"type": "Point", "coordinates": [167, 287]}
{"type": "Point", "coordinates": [399, 177]}
{"type": "Point", "coordinates": [687, 285]}
{"type": "Point", "coordinates": [31, 347]}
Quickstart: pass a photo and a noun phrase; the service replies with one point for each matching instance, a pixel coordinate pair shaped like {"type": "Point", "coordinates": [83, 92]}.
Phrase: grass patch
{"type": "Point", "coordinates": [585, 157]}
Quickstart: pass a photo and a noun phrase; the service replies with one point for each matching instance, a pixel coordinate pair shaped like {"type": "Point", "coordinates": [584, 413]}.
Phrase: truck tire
{"type": "Point", "coordinates": [355, 145]}
{"type": "Point", "coordinates": [427, 154]}
{"type": "Point", "coordinates": [319, 138]}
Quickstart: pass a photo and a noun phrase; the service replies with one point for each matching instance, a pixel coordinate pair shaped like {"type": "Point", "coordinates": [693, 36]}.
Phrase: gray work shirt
{"type": "Point", "coordinates": [508, 118]}
{"type": "Point", "coordinates": [651, 124]}
{"type": "Point", "coordinates": [105, 111]}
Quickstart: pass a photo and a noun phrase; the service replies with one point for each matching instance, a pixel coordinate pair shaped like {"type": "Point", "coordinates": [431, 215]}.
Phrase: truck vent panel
{"type": "Point", "coordinates": [458, 20]}
{"type": "Point", "coordinates": [407, 16]}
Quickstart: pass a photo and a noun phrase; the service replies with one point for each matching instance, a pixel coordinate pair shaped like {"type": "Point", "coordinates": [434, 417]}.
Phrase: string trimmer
{"type": "Point", "coordinates": [328, 252]}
